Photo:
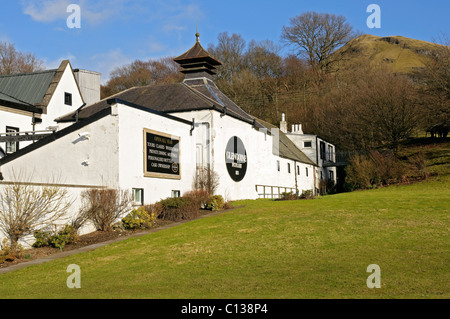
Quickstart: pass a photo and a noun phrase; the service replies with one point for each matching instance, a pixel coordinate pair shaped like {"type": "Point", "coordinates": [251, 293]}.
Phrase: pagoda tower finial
{"type": "Point", "coordinates": [197, 35]}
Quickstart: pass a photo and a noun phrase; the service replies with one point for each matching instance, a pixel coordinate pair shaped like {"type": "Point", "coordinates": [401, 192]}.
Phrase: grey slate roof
{"type": "Point", "coordinates": [169, 98]}
{"type": "Point", "coordinates": [30, 91]}
{"type": "Point", "coordinates": [27, 88]}
{"type": "Point", "coordinates": [287, 148]}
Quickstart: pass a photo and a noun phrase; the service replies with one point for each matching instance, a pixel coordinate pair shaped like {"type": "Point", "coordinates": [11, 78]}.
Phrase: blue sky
{"type": "Point", "coordinates": [116, 32]}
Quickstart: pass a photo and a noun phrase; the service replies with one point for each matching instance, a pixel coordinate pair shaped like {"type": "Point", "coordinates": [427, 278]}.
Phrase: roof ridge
{"type": "Point", "coordinates": [27, 73]}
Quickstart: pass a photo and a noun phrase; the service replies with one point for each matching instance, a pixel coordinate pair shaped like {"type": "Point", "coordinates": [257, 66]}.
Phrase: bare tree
{"type": "Point", "coordinates": [104, 206]}
{"type": "Point", "coordinates": [13, 61]}
{"type": "Point", "coordinates": [317, 36]}
{"type": "Point", "coordinates": [141, 73]}
{"type": "Point", "coordinates": [25, 208]}
{"type": "Point", "coordinates": [206, 179]}
{"type": "Point", "coordinates": [434, 79]}
{"type": "Point", "coordinates": [230, 51]}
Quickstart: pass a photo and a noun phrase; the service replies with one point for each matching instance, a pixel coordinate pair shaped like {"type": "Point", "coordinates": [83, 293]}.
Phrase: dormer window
{"type": "Point", "coordinates": [67, 98]}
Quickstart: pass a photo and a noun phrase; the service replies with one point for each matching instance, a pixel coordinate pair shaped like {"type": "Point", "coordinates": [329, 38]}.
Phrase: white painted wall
{"type": "Point", "coordinates": [15, 118]}
{"type": "Point", "coordinates": [262, 163]}
{"type": "Point", "coordinates": [313, 153]}
{"type": "Point", "coordinates": [132, 123]}
{"type": "Point", "coordinates": [55, 109]}
{"type": "Point", "coordinates": [56, 106]}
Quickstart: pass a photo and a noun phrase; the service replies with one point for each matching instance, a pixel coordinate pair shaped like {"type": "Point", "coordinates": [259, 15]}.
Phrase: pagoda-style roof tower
{"type": "Point", "coordinates": [197, 62]}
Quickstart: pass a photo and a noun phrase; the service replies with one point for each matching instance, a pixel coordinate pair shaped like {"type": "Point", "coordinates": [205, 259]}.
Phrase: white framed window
{"type": "Point", "coordinates": [289, 168]}
{"type": "Point", "coordinates": [298, 170]}
{"type": "Point", "coordinates": [12, 147]}
{"type": "Point", "coordinates": [176, 193]}
{"type": "Point", "coordinates": [278, 166]}
{"type": "Point", "coordinates": [138, 196]}
{"type": "Point", "coordinates": [306, 171]}
{"type": "Point", "coordinates": [307, 144]}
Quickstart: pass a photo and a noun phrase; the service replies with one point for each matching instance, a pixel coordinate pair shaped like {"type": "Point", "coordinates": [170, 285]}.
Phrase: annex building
{"type": "Point", "coordinates": [153, 140]}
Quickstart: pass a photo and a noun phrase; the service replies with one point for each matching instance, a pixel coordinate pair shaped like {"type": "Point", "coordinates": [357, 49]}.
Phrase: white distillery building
{"type": "Point", "coordinates": [30, 102]}
{"type": "Point", "coordinates": [152, 140]}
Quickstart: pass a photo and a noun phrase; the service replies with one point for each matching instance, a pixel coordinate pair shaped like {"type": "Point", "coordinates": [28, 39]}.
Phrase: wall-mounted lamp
{"type": "Point", "coordinates": [86, 135]}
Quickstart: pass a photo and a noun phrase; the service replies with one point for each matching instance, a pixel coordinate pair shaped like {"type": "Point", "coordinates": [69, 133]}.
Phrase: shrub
{"type": "Point", "coordinates": [25, 207]}
{"type": "Point", "coordinates": [199, 196]}
{"type": "Point", "coordinates": [307, 194]}
{"type": "Point", "coordinates": [65, 236]}
{"type": "Point", "coordinates": [178, 208]}
{"type": "Point", "coordinates": [104, 206]}
{"type": "Point", "coordinates": [42, 238]}
{"type": "Point", "coordinates": [138, 219]}
{"type": "Point", "coordinates": [10, 252]}
{"type": "Point", "coordinates": [418, 165]}
{"type": "Point", "coordinates": [154, 209]}
{"type": "Point", "coordinates": [215, 202]}
{"type": "Point", "coordinates": [206, 179]}
{"type": "Point", "coordinates": [373, 169]}
{"type": "Point", "coordinates": [288, 196]}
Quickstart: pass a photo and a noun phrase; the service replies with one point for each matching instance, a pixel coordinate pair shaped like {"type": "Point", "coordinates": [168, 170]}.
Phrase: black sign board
{"type": "Point", "coordinates": [162, 155]}
{"type": "Point", "coordinates": [236, 159]}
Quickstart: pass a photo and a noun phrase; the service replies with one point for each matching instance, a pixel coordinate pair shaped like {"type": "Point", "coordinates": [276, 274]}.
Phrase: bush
{"type": "Point", "coordinates": [25, 208]}
{"type": "Point", "coordinates": [418, 165]}
{"type": "Point", "coordinates": [178, 208]}
{"type": "Point", "coordinates": [373, 169]}
{"type": "Point", "coordinates": [199, 196]}
{"type": "Point", "coordinates": [215, 202]}
{"type": "Point", "coordinates": [138, 219]}
{"type": "Point", "coordinates": [308, 194]}
{"type": "Point", "coordinates": [104, 206]}
{"type": "Point", "coordinates": [206, 179]}
{"type": "Point", "coordinates": [288, 196]}
{"type": "Point", "coordinates": [10, 252]}
{"type": "Point", "coordinates": [67, 235]}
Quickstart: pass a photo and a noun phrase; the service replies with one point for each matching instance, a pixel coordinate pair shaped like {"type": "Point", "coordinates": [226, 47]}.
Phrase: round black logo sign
{"type": "Point", "coordinates": [236, 158]}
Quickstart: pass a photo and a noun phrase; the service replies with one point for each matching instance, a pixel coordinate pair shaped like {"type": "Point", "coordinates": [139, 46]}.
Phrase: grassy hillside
{"type": "Point", "coordinates": [272, 249]}
{"type": "Point", "coordinates": [401, 53]}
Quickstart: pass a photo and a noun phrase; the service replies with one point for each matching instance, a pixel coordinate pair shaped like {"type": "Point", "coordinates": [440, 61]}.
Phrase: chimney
{"type": "Point", "coordinates": [89, 84]}
{"type": "Point", "coordinates": [299, 129]}
{"type": "Point", "coordinates": [283, 123]}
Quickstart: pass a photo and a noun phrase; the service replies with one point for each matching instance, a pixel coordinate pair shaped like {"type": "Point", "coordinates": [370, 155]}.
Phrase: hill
{"type": "Point", "coordinates": [403, 54]}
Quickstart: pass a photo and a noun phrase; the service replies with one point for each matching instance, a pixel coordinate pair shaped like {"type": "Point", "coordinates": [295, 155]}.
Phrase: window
{"type": "Point", "coordinates": [176, 193]}
{"type": "Point", "coordinates": [289, 168]}
{"type": "Point", "coordinates": [298, 170]}
{"type": "Point", "coordinates": [12, 147]}
{"type": "Point", "coordinates": [330, 153]}
{"type": "Point", "coordinates": [278, 165]}
{"type": "Point", "coordinates": [322, 150]}
{"type": "Point", "coordinates": [331, 175]}
{"type": "Point", "coordinates": [307, 144]}
{"type": "Point", "coordinates": [67, 98]}
{"type": "Point", "coordinates": [138, 196]}
{"type": "Point", "coordinates": [306, 171]}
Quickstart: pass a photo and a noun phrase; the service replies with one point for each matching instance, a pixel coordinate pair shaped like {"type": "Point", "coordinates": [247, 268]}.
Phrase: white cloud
{"type": "Point", "coordinates": [46, 11]}
{"type": "Point", "coordinates": [92, 12]}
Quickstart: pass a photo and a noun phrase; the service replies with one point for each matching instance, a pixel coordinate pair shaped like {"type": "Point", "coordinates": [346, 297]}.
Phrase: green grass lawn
{"type": "Point", "coordinates": [272, 249]}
